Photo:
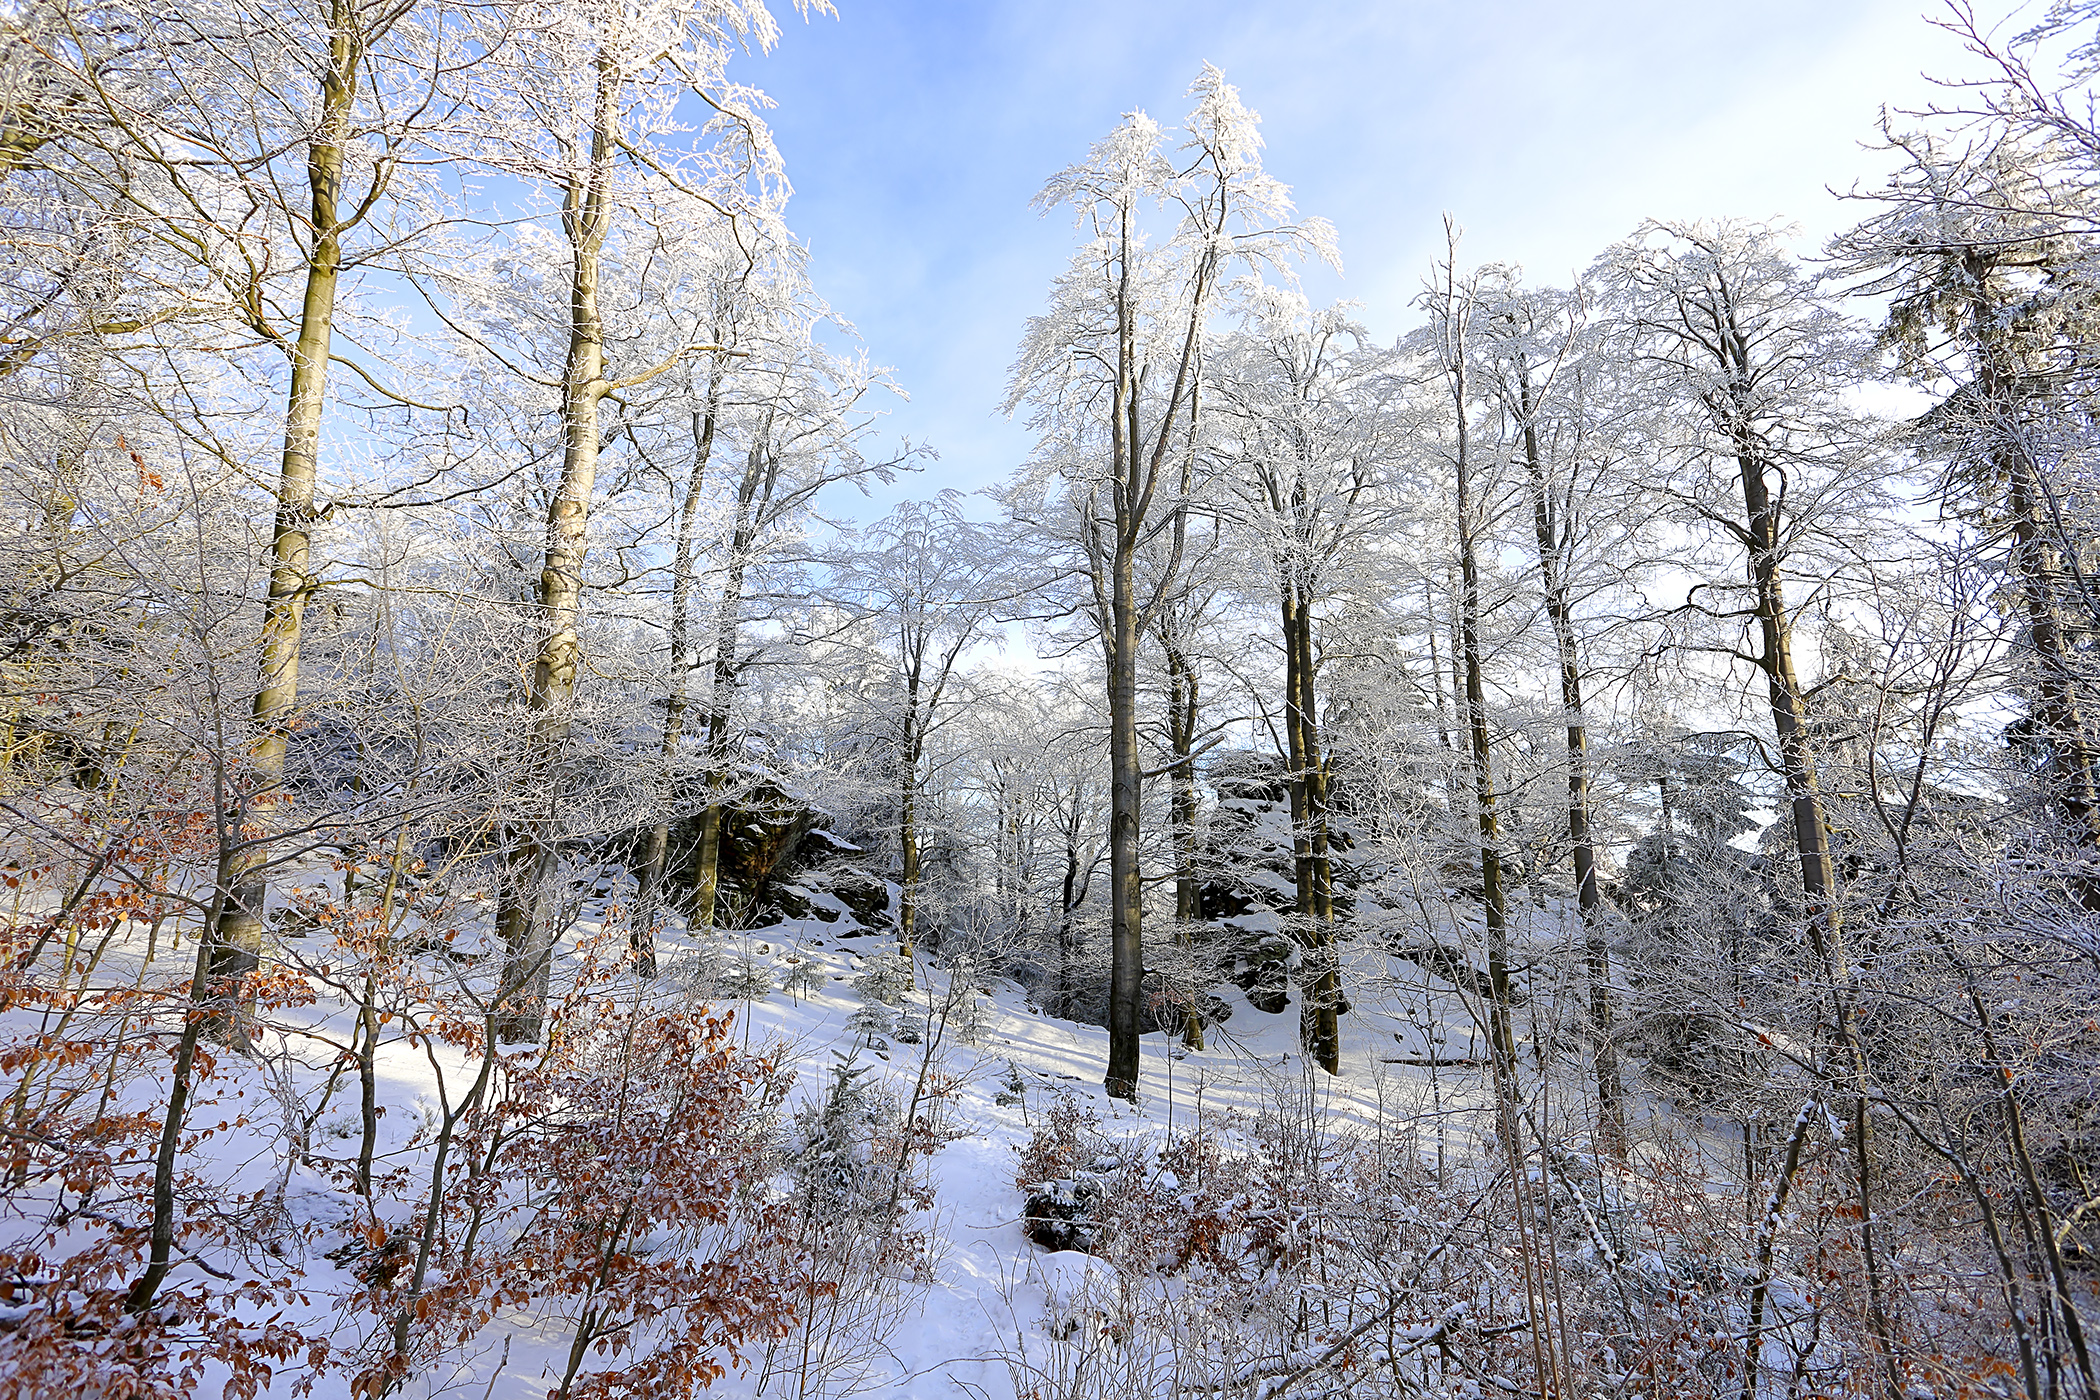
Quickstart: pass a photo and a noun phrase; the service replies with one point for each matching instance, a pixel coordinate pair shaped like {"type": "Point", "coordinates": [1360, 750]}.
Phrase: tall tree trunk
{"type": "Point", "coordinates": [1183, 710]}
{"type": "Point", "coordinates": [1126, 892]}
{"type": "Point", "coordinates": [1472, 702]}
{"type": "Point", "coordinates": [1789, 712]}
{"type": "Point", "coordinates": [1136, 462]}
{"type": "Point", "coordinates": [2057, 710]}
{"type": "Point", "coordinates": [753, 491]}
{"type": "Point", "coordinates": [2073, 787]}
{"type": "Point", "coordinates": [656, 849]}
{"type": "Point", "coordinates": [1589, 899]}
{"type": "Point", "coordinates": [1812, 845]}
{"type": "Point", "coordinates": [527, 915]}
{"type": "Point", "coordinates": [238, 942]}
{"type": "Point", "coordinates": [1494, 897]}
{"type": "Point", "coordinates": [1436, 666]}
{"type": "Point", "coordinates": [1319, 1032]}
{"type": "Point", "coordinates": [1126, 886]}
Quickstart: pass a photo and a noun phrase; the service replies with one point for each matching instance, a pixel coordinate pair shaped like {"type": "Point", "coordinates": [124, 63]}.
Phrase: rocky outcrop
{"type": "Point", "coordinates": [1061, 1215]}
{"type": "Point", "coordinates": [778, 854]}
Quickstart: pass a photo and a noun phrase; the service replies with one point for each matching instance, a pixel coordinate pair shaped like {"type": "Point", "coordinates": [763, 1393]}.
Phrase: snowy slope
{"type": "Point", "coordinates": [986, 1313]}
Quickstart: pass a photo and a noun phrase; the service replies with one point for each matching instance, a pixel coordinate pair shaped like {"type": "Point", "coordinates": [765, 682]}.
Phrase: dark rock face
{"type": "Point", "coordinates": [1245, 775]}
{"type": "Point", "coordinates": [1060, 1215]}
{"type": "Point", "coordinates": [821, 844]}
{"type": "Point", "coordinates": [1248, 891]}
{"type": "Point", "coordinates": [776, 854]}
{"type": "Point", "coordinates": [793, 903]}
{"type": "Point", "coordinates": [1217, 900]}
{"type": "Point", "coordinates": [862, 893]}
{"type": "Point", "coordinates": [1266, 979]}
{"type": "Point", "coordinates": [760, 838]}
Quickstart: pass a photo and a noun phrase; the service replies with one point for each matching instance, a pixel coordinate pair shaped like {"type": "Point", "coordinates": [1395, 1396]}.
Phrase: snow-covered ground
{"type": "Point", "coordinates": [993, 1291]}
{"type": "Point", "coordinates": [992, 1294]}
{"type": "Point", "coordinates": [981, 1315]}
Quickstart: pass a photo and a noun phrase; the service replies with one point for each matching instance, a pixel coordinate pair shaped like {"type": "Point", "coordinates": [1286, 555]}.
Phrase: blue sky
{"type": "Point", "coordinates": [916, 132]}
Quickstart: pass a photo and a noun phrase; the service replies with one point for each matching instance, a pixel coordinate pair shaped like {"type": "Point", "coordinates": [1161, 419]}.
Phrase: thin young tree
{"type": "Point", "coordinates": [925, 583]}
{"type": "Point", "coordinates": [1532, 344]}
{"type": "Point", "coordinates": [746, 307]}
{"type": "Point", "coordinates": [1453, 303]}
{"type": "Point", "coordinates": [802, 426]}
{"type": "Point", "coordinates": [1180, 626]}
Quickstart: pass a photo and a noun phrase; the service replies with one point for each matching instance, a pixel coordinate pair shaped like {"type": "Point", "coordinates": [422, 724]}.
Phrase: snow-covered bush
{"type": "Point", "coordinates": [747, 979]}
{"type": "Point", "coordinates": [831, 1152]}
{"type": "Point", "coordinates": [885, 977]}
{"type": "Point", "coordinates": [853, 1256]}
{"type": "Point", "coordinates": [804, 979]}
{"type": "Point", "coordinates": [615, 1188]}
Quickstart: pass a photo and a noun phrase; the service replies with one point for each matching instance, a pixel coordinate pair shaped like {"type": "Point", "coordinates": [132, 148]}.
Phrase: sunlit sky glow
{"type": "Point", "coordinates": [916, 132]}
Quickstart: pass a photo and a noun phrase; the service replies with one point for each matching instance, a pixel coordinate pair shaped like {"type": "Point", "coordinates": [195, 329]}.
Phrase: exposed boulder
{"type": "Point", "coordinates": [1061, 1215]}
{"type": "Point", "coordinates": [777, 856]}
{"type": "Point", "coordinates": [794, 902]}
{"type": "Point", "coordinates": [1266, 977]}
{"type": "Point", "coordinates": [867, 897]}
{"type": "Point", "coordinates": [761, 835]}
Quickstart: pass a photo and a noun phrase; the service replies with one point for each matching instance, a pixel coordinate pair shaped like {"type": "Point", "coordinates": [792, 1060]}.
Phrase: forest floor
{"type": "Point", "coordinates": [993, 1295]}
{"type": "Point", "coordinates": [976, 1316]}
{"type": "Point", "coordinates": [975, 1323]}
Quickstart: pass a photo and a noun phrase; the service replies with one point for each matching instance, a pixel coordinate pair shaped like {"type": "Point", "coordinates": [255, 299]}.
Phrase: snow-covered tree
{"type": "Point", "coordinates": [1111, 377]}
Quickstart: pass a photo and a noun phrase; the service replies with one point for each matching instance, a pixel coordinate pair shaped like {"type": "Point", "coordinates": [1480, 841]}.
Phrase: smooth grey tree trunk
{"type": "Point", "coordinates": [1552, 535]}
{"type": "Point", "coordinates": [238, 941]}
{"type": "Point", "coordinates": [527, 915]}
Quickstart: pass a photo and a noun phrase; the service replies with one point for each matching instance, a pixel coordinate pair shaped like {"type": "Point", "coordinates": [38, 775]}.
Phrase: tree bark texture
{"type": "Point", "coordinates": [656, 849]}
{"type": "Point", "coordinates": [1183, 710]}
{"type": "Point", "coordinates": [1472, 701]}
{"type": "Point", "coordinates": [1126, 885]}
{"type": "Point", "coordinates": [1319, 1031]}
{"type": "Point", "coordinates": [911, 751]}
{"type": "Point", "coordinates": [1553, 534]}
{"type": "Point", "coordinates": [1824, 920]}
{"type": "Point", "coordinates": [754, 491]}
{"type": "Point", "coordinates": [528, 914]}
{"type": "Point", "coordinates": [238, 943]}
